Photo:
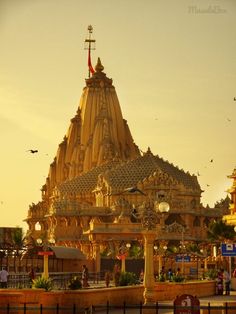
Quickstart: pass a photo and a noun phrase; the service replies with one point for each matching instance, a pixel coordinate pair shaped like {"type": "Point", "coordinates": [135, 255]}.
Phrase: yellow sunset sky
{"type": "Point", "coordinates": [173, 64]}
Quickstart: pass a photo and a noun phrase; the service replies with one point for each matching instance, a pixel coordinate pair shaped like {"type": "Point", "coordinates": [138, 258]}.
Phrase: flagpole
{"type": "Point", "coordinates": [89, 41]}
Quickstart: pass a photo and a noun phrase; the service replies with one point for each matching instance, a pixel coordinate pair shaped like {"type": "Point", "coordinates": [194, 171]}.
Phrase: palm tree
{"type": "Point", "coordinates": [18, 241]}
{"type": "Point", "coordinates": [219, 232]}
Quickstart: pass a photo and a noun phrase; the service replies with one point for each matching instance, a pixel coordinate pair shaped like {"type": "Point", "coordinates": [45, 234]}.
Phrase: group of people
{"type": "Point", "coordinates": [168, 275]}
{"type": "Point", "coordinates": [4, 277]}
{"type": "Point", "coordinates": [223, 278]}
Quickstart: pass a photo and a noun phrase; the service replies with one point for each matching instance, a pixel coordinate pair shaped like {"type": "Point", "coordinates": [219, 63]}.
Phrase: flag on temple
{"type": "Point", "coordinates": [91, 69]}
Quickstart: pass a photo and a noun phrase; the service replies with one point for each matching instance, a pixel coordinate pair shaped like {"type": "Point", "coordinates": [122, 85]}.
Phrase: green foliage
{"type": "Point", "coordinates": [211, 274]}
{"type": "Point", "coordinates": [177, 278]}
{"type": "Point", "coordinates": [105, 252]}
{"type": "Point", "coordinates": [193, 247]}
{"type": "Point", "coordinates": [219, 231]}
{"type": "Point", "coordinates": [42, 282]}
{"type": "Point", "coordinates": [161, 278]}
{"type": "Point", "coordinates": [171, 250]}
{"type": "Point", "coordinates": [18, 237]}
{"type": "Point", "coordinates": [75, 283]}
{"type": "Point", "coordinates": [127, 279]}
{"type": "Point", "coordinates": [136, 251]}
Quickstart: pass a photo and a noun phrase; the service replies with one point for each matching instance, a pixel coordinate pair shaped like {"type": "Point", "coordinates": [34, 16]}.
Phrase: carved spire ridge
{"type": "Point", "coordinates": [148, 152]}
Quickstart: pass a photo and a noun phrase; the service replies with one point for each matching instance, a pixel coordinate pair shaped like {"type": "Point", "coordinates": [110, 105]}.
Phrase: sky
{"type": "Point", "coordinates": [173, 64]}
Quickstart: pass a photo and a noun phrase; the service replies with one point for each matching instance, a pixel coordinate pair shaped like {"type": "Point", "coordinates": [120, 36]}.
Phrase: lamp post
{"type": "Point", "coordinates": [150, 213]}
{"type": "Point", "coordinates": [160, 250]}
{"type": "Point", "coordinates": [45, 253]}
{"type": "Point", "coordinates": [182, 246]}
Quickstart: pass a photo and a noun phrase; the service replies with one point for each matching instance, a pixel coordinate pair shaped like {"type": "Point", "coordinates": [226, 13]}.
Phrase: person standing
{"type": "Point", "coordinates": [85, 276]}
{"type": "Point", "coordinates": [31, 276]}
{"type": "Point", "coordinates": [170, 274]}
{"type": "Point", "coordinates": [141, 276]}
{"type": "Point", "coordinates": [219, 283]}
{"type": "Point", "coordinates": [3, 277]}
{"type": "Point", "coordinates": [226, 278]}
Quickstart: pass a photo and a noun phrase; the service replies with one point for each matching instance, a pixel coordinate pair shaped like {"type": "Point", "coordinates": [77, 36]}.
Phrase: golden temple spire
{"type": "Point", "coordinates": [97, 133]}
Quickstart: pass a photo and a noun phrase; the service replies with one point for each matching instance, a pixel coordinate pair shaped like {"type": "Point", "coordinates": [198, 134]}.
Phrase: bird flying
{"type": "Point", "coordinates": [33, 151]}
{"type": "Point", "coordinates": [211, 160]}
{"type": "Point", "coordinates": [133, 190]}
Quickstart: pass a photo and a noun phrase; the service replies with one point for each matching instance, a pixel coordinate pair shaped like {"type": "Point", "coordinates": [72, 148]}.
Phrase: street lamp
{"type": "Point", "coordinates": [45, 253]}
{"type": "Point", "coordinates": [160, 251]}
{"type": "Point", "coordinates": [150, 214]}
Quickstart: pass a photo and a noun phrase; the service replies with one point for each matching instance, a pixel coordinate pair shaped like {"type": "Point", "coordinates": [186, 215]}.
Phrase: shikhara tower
{"type": "Point", "coordinates": [84, 197]}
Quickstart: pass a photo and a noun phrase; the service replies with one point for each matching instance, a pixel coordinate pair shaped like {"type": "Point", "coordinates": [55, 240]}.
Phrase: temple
{"type": "Point", "coordinates": [99, 180]}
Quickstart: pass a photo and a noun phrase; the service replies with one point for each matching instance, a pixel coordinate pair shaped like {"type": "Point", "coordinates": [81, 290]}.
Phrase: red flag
{"type": "Point", "coordinates": [91, 69]}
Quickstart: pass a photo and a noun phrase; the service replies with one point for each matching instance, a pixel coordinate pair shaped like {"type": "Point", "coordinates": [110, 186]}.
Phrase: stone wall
{"type": "Point", "coordinates": [115, 296]}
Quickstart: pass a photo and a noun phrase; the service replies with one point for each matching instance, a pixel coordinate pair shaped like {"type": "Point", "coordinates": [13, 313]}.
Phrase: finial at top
{"type": "Point", "coordinates": [99, 67]}
{"type": "Point", "coordinates": [90, 29]}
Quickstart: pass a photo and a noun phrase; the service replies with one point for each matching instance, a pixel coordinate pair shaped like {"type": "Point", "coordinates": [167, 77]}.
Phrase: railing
{"type": "Point", "coordinates": [60, 280]}
{"type": "Point", "coordinates": [18, 281]}
{"type": "Point", "coordinates": [73, 309]}
{"type": "Point", "coordinates": [157, 308]}
{"type": "Point", "coordinates": [118, 309]}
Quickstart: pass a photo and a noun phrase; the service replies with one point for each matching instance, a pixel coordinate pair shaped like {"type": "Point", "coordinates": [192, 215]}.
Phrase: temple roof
{"type": "Point", "coordinates": [87, 181]}
{"type": "Point", "coordinates": [120, 175]}
{"type": "Point", "coordinates": [132, 172]}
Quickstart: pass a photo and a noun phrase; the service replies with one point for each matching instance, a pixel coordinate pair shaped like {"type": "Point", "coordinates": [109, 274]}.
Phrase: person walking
{"type": "Point", "coordinates": [170, 274]}
{"type": "Point", "coordinates": [3, 277]}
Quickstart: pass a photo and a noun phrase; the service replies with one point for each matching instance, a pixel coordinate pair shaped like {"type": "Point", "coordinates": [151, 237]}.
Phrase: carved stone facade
{"type": "Point", "coordinates": [231, 218]}
{"type": "Point", "coordinates": [87, 201]}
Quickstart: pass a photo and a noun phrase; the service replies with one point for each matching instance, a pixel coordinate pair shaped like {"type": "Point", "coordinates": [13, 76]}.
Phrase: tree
{"type": "Point", "coordinates": [219, 231]}
{"type": "Point", "coordinates": [18, 244]}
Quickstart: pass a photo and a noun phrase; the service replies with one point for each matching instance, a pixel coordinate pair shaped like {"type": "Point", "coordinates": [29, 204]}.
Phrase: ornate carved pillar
{"type": "Point", "coordinates": [149, 282]}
